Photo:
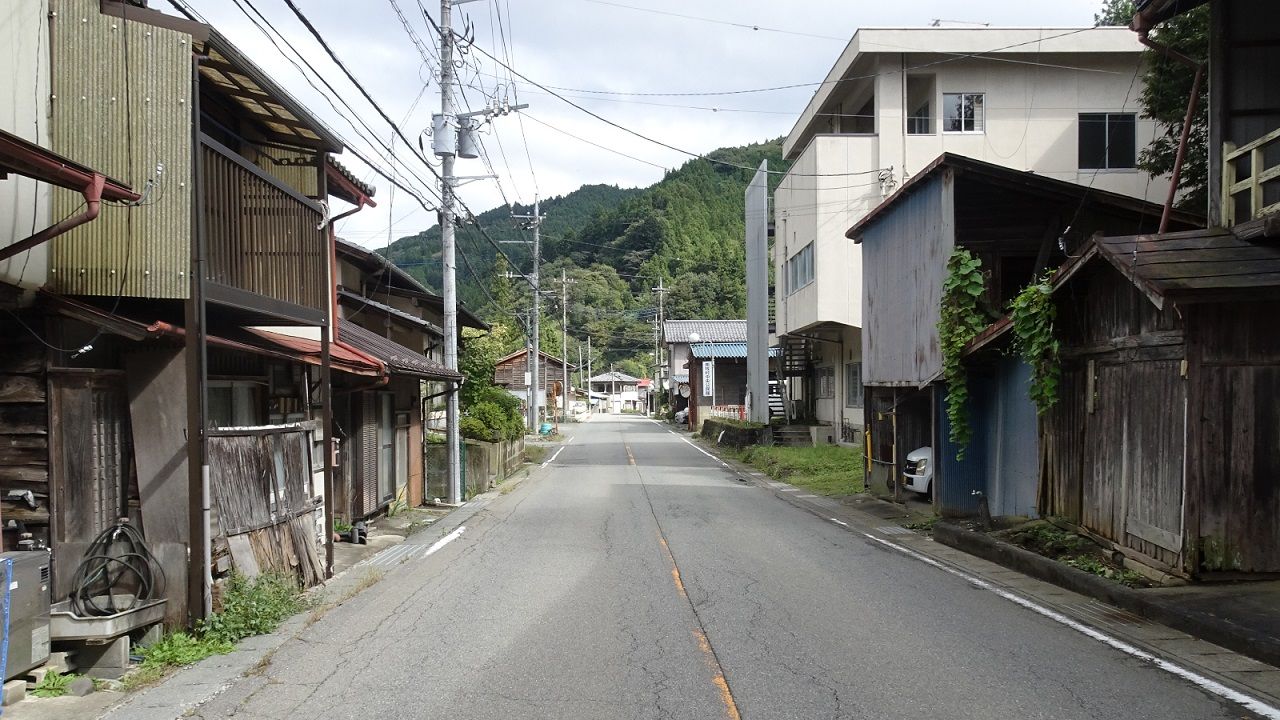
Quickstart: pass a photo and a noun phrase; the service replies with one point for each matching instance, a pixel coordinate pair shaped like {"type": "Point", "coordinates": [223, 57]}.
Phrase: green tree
{"type": "Point", "coordinates": [1167, 87]}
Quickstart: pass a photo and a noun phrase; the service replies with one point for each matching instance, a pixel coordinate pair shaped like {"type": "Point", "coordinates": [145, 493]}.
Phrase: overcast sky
{"type": "Point", "coordinates": [586, 45]}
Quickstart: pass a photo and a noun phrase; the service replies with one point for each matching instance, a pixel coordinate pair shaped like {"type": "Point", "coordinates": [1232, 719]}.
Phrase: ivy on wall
{"type": "Point", "coordinates": [962, 318]}
{"type": "Point", "coordinates": [1033, 313]}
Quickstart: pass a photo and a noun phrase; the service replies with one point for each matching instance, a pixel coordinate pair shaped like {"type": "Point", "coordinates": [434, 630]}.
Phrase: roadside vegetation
{"type": "Point", "coordinates": [830, 470]}
{"type": "Point", "coordinates": [249, 607]}
{"type": "Point", "coordinates": [1044, 538]}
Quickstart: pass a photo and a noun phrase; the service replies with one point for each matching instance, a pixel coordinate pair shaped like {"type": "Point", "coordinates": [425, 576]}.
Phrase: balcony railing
{"type": "Point", "coordinates": [262, 236]}
{"type": "Point", "coordinates": [1244, 180]}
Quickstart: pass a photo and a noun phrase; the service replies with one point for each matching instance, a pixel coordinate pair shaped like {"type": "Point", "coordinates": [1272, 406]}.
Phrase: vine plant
{"type": "Point", "coordinates": [962, 318]}
{"type": "Point", "coordinates": [1033, 313]}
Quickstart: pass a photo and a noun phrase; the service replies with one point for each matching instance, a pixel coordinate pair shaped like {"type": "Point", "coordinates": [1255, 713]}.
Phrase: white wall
{"type": "Point", "coordinates": [849, 349]}
{"type": "Point", "coordinates": [24, 96]}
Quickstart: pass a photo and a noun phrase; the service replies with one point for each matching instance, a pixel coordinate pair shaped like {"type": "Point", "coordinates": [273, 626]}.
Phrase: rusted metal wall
{"type": "Point", "coordinates": [1113, 447]}
{"type": "Point", "coordinates": [904, 258]}
{"type": "Point", "coordinates": [1235, 466]}
{"type": "Point", "coordinates": [121, 104]}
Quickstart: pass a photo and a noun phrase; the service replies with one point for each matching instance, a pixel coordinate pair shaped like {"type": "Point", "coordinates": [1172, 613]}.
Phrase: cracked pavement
{"type": "Point", "coordinates": [559, 602]}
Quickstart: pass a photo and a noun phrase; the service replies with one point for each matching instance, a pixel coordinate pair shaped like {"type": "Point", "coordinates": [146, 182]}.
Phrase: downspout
{"type": "Point", "coordinates": [93, 199]}
{"type": "Point", "coordinates": [1145, 38]}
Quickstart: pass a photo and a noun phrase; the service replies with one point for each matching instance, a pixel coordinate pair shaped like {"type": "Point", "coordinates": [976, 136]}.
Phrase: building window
{"type": "Point", "coordinates": [1108, 141]}
{"type": "Point", "coordinates": [853, 385]}
{"type": "Point", "coordinates": [920, 97]}
{"type": "Point", "coordinates": [826, 377]}
{"type": "Point", "coordinates": [235, 403]}
{"type": "Point", "coordinates": [964, 112]}
{"type": "Point", "coordinates": [800, 269]}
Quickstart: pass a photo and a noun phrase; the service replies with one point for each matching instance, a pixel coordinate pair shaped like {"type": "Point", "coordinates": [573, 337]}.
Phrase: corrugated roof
{"type": "Point", "coordinates": [398, 358]}
{"type": "Point", "coordinates": [704, 351]}
{"type": "Point", "coordinates": [1019, 178]}
{"type": "Point", "coordinates": [542, 355]}
{"type": "Point", "coordinates": [709, 331]}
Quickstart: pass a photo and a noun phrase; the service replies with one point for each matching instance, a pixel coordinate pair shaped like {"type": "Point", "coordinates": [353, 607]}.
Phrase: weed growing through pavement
{"type": "Point", "coordinates": [53, 684]}
{"type": "Point", "coordinates": [249, 607]}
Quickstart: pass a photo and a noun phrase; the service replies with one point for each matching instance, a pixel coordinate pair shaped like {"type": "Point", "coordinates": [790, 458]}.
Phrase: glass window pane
{"type": "Point", "coordinates": [1093, 141]}
{"type": "Point", "coordinates": [976, 113]}
{"type": "Point", "coordinates": [952, 104]}
{"type": "Point", "coordinates": [1122, 141]}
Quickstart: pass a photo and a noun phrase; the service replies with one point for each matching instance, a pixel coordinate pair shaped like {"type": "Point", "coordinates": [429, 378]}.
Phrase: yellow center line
{"type": "Point", "coordinates": [704, 644]}
{"type": "Point", "coordinates": [631, 459]}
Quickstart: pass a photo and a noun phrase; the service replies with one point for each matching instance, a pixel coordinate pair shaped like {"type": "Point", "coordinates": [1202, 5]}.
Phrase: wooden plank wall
{"type": "Point", "coordinates": [24, 424]}
{"type": "Point", "coordinates": [1112, 450]}
{"type": "Point", "coordinates": [261, 487]}
{"type": "Point", "coordinates": [1234, 499]}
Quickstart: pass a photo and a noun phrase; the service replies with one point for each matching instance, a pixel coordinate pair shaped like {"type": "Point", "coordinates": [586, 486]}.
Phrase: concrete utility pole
{"type": "Point", "coordinates": [580, 371]}
{"type": "Point", "coordinates": [589, 376]}
{"type": "Point", "coordinates": [565, 282]}
{"type": "Point", "coordinates": [453, 437]}
{"type": "Point", "coordinates": [535, 379]}
{"type": "Point", "coordinates": [657, 343]}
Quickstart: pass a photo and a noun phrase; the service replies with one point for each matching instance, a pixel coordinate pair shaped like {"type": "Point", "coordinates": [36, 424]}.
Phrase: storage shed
{"type": "Point", "coordinates": [1166, 437]}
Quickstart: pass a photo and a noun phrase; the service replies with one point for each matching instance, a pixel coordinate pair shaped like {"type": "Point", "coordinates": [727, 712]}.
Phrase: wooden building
{"type": "Point", "coordinates": [513, 374]}
{"type": "Point", "coordinates": [1165, 441]}
{"type": "Point", "coordinates": [1018, 224]}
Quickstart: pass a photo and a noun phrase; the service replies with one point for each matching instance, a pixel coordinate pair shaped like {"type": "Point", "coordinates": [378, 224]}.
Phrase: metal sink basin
{"type": "Point", "coordinates": [64, 625]}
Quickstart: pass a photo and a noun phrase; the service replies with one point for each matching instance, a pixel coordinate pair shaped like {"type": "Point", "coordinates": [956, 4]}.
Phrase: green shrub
{"type": "Point", "coordinates": [472, 429]}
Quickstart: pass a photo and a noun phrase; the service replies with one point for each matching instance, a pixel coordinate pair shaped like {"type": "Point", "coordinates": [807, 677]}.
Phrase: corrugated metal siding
{"type": "Point", "coordinates": [303, 178]}
{"type": "Point", "coordinates": [904, 259]}
{"type": "Point", "coordinates": [367, 481]}
{"type": "Point", "coordinates": [99, 100]}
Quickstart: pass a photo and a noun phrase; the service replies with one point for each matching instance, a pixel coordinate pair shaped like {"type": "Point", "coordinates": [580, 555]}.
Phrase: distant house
{"type": "Point", "coordinates": [707, 365]}
{"type": "Point", "coordinates": [621, 392]}
{"type": "Point", "coordinates": [512, 373]}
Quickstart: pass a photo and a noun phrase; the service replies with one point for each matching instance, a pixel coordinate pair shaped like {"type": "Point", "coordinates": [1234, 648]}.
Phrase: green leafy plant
{"type": "Point", "coordinates": [252, 607]}
{"type": "Point", "coordinates": [961, 320]}
{"type": "Point", "coordinates": [341, 526]}
{"type": "Point", "coordinates": [53, 684]}
{"type": "Point", "coordinates": [1033, 313]}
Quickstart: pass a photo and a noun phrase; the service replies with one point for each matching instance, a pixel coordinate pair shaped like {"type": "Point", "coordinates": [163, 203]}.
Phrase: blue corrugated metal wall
{"type": "Point", "coordinates": [1002, 459]}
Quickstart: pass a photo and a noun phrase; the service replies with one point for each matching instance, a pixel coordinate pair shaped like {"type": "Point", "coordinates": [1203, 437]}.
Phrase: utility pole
{"type": "Point", "coordinates": [565, 282]}
{"type": "Point", "coordinates": [535, 384]}
{"type": "Point", "coordinates": [589, 411]}
{"type": "Point", "coordinates": [657, 342]}
{"type": "Point", "coordinates": [580, 372]}
{"type": "Point", "coordinates": [453, 437]}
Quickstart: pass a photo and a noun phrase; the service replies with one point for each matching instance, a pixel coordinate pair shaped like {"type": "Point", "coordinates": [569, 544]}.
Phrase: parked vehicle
{"type": "Point", "coordinates": [917, 472]}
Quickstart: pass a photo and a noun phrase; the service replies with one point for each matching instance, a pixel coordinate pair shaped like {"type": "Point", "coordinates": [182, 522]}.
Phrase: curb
{"type": "Point", "coordinates": [1205, 626]}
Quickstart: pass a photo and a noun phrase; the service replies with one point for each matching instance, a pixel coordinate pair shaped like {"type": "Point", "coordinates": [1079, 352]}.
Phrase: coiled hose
{"type": "Point", "coordinates": [118, 573]}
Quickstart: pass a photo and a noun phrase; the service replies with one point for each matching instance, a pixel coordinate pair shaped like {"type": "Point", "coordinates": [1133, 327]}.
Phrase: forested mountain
{"type": "Point", "coordinates": [614, 246]}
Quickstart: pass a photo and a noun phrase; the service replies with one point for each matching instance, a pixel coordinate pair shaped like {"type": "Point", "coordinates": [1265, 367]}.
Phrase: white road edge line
{"type": "Point", "coordinates": [1207, 684]}
{"type": "Point", "coordinates": [444, 541]}
{"type": "Point", "coordinates": [553, 457]}
{"type": "Point", "coordinates": [840, 522]}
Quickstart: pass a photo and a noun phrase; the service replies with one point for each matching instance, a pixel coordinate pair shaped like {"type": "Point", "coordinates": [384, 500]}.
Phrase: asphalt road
{"type": "Point", "coordinates": [637, 578]}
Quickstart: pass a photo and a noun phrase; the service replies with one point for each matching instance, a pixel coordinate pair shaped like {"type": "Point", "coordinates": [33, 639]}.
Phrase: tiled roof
{"type": "Point", "coordinates": [614, 376]}
{"type": "Point", "coordinates": [709, 331]}
{"type": "Point", "coordinates": [398, 358]}
{"type": "Point", "coordinates": [357, 301]}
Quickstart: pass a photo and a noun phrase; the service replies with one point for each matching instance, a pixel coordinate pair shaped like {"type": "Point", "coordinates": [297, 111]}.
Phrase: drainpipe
{"type": "Point", "coordinates": [1145, 38]}
{"type": "Point", "coordinates": [93, 199]}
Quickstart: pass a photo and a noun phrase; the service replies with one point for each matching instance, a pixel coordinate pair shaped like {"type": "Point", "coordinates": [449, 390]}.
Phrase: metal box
{"type": "Point", "coordinates": [26, 610]}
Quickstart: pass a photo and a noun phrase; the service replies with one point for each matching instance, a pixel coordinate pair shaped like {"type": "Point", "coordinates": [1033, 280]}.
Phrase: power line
{"type": "Point", "coordinates": [745, 26]}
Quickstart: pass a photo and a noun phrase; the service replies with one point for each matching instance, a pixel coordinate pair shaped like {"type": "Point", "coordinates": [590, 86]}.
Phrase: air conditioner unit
{"type": "Point", "coordinates": [26, 601]}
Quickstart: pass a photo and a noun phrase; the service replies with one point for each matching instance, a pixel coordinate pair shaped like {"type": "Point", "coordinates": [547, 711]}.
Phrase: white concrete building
{"type": "Point", "coordinates": [1062, 102]}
